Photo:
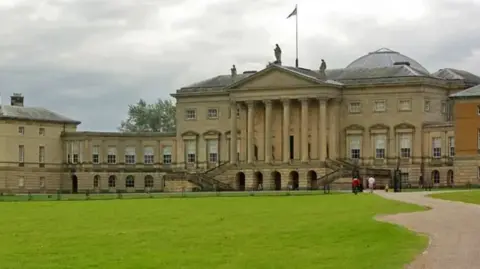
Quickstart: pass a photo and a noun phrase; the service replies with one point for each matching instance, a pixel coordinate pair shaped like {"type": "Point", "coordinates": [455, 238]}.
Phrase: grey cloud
{"type": "Point", "coordinates": [73, 67]}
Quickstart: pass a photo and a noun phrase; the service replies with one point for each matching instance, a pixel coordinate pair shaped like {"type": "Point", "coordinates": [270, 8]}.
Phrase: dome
{"type": "Point", "coordinates": [384, 58]}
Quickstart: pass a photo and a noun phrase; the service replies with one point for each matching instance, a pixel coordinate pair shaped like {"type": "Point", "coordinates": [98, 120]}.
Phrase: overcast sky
{"type": "Point", "coordinates": [89, 59]}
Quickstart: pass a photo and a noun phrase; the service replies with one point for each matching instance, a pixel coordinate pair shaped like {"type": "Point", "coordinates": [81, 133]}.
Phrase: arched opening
{"type": "Point", "coordinates": [240, 178]}
{"type": "Point", "coordinates": [74, 184]}
{"type": "Point", "coordinates": [450, 181]}
{"type": "Point", "coordinates": [96, 181]}
{"type": "Point", "coordinates": [294, 182]}
{"type": "Point", "coordinates": [312, 180]}
{"type": "Point", "coordinates": [148, 181]}
{"type": "Point", "coordinates": [130, 182]}
{"type": "Point", "coordinates": [258, 181]}
{"type": "Point", "coordinates": [436, 177]}
{"type": "Point", "coordinates": [112, 181]}
{"type": "Point", "coordinates": [277, 180]}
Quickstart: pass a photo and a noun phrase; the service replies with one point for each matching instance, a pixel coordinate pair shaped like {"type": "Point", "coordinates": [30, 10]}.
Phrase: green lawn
{"type": "Point", "coordinates": [472, 197]}
{"type": "Point", "coordinates": [318, 231]}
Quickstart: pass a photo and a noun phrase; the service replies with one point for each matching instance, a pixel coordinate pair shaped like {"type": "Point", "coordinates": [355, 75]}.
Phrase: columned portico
{"type": "Point", "coordinates": [233, 132]}
{"type": "Point", "coordinates": [322, 138]}
{"type": "Point", "coordinates": [286, 130]}
{"type": "Point", "coordinates": [268, 131]}
{"type": "Point", "coordinates": [250, 131]}
{"type": "Point", "coordinates": [304, 129]}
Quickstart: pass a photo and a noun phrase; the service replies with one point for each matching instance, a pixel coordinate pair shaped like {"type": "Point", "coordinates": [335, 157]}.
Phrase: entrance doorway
{"type": "Point", "coordinates": [74, 184]}
{"type": "Point", "coordinates": [292, 147]}
{"type": "Point", "coordinates": [294, 180]}
{"type": "Point", "coordinates": [312, 179]}
{"type": "Point", "coordinates": [240, 181]}
{"type": "Point", "coordinates": [277, 180]}
{"type": "Point", "coordinates": [258, 181]}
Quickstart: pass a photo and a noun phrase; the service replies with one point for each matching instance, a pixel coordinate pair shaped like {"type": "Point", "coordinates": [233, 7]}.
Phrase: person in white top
{"type": "Point", "coordinates": [371, 183]}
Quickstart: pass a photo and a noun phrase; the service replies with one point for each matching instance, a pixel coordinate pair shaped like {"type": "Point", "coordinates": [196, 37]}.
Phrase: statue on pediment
{"type": "Point", "coordinates": [234, 71]}
{"type": "Point", "coordinates": [278, 54]}
{"type": "Point", "coordinates": [323, 67]}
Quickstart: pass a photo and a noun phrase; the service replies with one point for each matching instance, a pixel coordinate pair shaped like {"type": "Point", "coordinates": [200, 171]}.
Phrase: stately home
{"type": "Point", "coordinates": [276, 128]}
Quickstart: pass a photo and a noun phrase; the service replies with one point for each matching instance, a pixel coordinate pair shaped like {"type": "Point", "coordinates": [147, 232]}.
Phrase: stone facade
{"type": "Point", "coordinates": [287, 124]}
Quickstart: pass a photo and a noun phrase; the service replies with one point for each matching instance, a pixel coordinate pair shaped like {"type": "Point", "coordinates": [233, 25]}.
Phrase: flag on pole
{"type": "Point", "coordinates": [294, 13]}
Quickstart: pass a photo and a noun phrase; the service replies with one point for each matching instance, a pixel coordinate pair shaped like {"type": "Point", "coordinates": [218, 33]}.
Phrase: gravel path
{"type": "Point", "coordinates": [453, 227]}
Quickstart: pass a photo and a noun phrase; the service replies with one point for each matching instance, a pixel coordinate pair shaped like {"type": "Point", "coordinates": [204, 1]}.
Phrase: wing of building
{"type": "Point", "coordinates": [291, 128]}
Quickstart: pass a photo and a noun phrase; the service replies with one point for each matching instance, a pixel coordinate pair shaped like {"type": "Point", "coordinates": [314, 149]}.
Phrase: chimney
{"type": "Point", "coordinates": [16, 99]}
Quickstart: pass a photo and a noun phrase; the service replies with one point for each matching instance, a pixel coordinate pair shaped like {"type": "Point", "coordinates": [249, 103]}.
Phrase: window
{"type": "Point", "coordinates": [380, 143]}
{"type": "Point", "coordinates": [96, 154]}
{"type": "Point", "coordinates": [167, 154]}
{"type": "Point", "coordinates": [130, 155]}
{"type": "Point", "coordinates": [436, 147]}
{"type": "Point", "coordinates": [451, 146]}
{"type": "Point", "coordinates": [212, 113]}
{"type": "Point", "coordinates": [75, 150]}
{"type": "Point", "coordinates": [405, 105]}
{"type": "Point", "coordinates": [380, 106]}
{"type": "Point", "coordinates": [21, 130]}
{"type": "Point", "coordinates": [148, 182]}
{"type": "Point", "coordinates": [112, 155]}
{"type": "Point", "coordinates": [96, 181]}
{"type": "Point", "coordinates": [190, 114]}
{"type": "Point", "coordinates": [111, 181]}
{"type": "Point", "coordinates": [444, 107]}
{"type": "Point", "coordinates": [41, 154]}
{"type": "Point", "coordinates": [41, 131]}
{"type": "Point", "coordinates": [355, 147]}
{"type": "Point", "coordinates": [478, 140]}
{"type": "Point", "coordinates": [21, 154]}
{"type": "Point", "coordinates": [148, 155]}
{"type": "Point", "coordinates": [405, 146]}
{"type": "Point", "coordinates": [21, 182]}
{"type": "Point", "coordinates": [42, 182]}
{"type": "Point", "coordinates": [478, 110]}
{"type": "Point", "coordinates": [426, 105]}
{"type": "Point", "coordinates": [354, 107]}
{"type": "Point", "coordinates": [238, 112]}
{"type": "Point", "coordinates": [191, 148]}
{"type": "Point", "coordinates": [130, 182]}
{"type": "Point", "coordinates": [212, 146]}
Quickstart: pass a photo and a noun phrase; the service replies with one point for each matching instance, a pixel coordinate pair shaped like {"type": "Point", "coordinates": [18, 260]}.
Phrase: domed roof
{"type": "Point", "coordinates": [384, 58]}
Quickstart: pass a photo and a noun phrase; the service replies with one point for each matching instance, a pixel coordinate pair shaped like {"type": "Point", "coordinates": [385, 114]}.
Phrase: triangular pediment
{"type": "Point", "coordinates": [277, 77]}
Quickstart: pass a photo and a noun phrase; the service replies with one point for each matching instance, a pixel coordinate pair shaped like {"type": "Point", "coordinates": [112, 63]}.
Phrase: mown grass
{"type": "Point", "coordinates": [472, 197]}
{"type": "Point", "coordinates": [321, 231]}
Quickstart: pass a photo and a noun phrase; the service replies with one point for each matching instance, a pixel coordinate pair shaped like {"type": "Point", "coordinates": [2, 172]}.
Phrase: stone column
{"type": "Point", "coordinates": [333, 137]}
{"type": "Point", "coordinates": [250, 146]}
{"type": "Point", "coordinates": [268, 131]}
{"type": "Point", "coordinates": [233, 132]}
{"type": "Point", "coordinates": [322, 132]}
{"type": "Point", "coordinates": [286, 130]}
{"type": "Point", "coordinates": [304, 129]}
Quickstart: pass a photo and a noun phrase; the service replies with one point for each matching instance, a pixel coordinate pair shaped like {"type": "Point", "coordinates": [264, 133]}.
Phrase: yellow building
{"type": "Point", "coordinates": [290, 127]}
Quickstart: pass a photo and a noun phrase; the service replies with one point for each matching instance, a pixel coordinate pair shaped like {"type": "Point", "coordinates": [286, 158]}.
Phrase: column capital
{"type": "Point", "coordinates": [250, 103]}
{"type": "Point", "coordinates": [285, 102]}
{"type": "Point", "coordinates": [267, 102]}
{"type": "Point", "coordinates": [321, 100]}
{"type": "Point", "coordinates": [233, 102]}
{"type": "Point", "coordinates": [303, 100]}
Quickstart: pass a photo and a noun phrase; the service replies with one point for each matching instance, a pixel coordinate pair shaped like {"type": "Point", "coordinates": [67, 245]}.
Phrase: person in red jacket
{"type": "Point", "coordinates": [355, 185]}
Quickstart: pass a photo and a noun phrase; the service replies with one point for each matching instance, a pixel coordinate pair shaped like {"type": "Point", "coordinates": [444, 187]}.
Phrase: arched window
{"type": "Point", "coordinates": [111, 181]}
{"type": "Point", "coordinates": [148, 181]}
{"type": "Point", "coordinates": [96, 181]}
{"type": "Point", "coordinates": [130, 182]}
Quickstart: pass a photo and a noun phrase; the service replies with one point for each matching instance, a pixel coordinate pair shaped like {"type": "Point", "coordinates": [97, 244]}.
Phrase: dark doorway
{"type": "Point", "coordinates": [258, 181]}
{"type": "Point", "coordinates": [436, 177]}
{"type": "Point", "coordinates": [294, 180]}
{"type": "Point", "coordinates": [292, 147]}
{"type": "Point", "coordinates": [450, 182]}
{"type": "Point", "coordinates": [277, 180]}
{"type": "Point", "coordinates": [74, 184]}
{"type": "Point", "coordinates": [240, 181]}
{"type": "Point", "coordinates": [312, 180]}
{"type": "Point", "coordinates": [255, 152]}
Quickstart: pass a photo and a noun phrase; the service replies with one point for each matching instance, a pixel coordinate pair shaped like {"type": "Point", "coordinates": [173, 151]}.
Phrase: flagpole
{"type": "Point", "coordinates": [296, 36]}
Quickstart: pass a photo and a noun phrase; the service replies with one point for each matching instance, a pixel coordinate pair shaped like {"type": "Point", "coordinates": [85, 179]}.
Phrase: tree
{"type": "Point", "coordinates": [156, 117]}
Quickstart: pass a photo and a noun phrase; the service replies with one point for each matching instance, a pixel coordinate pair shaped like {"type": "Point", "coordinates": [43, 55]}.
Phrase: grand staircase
{"type": "Point", "coordinates": [342, 171]}
{"type": "Point", "coordinates": [206, 180]}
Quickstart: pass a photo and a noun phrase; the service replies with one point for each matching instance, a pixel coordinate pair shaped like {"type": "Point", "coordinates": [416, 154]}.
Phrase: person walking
{"type": "Point", "coordinates": [371, 184]}
{"type": "Point", "coordinates": [355, 185]}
